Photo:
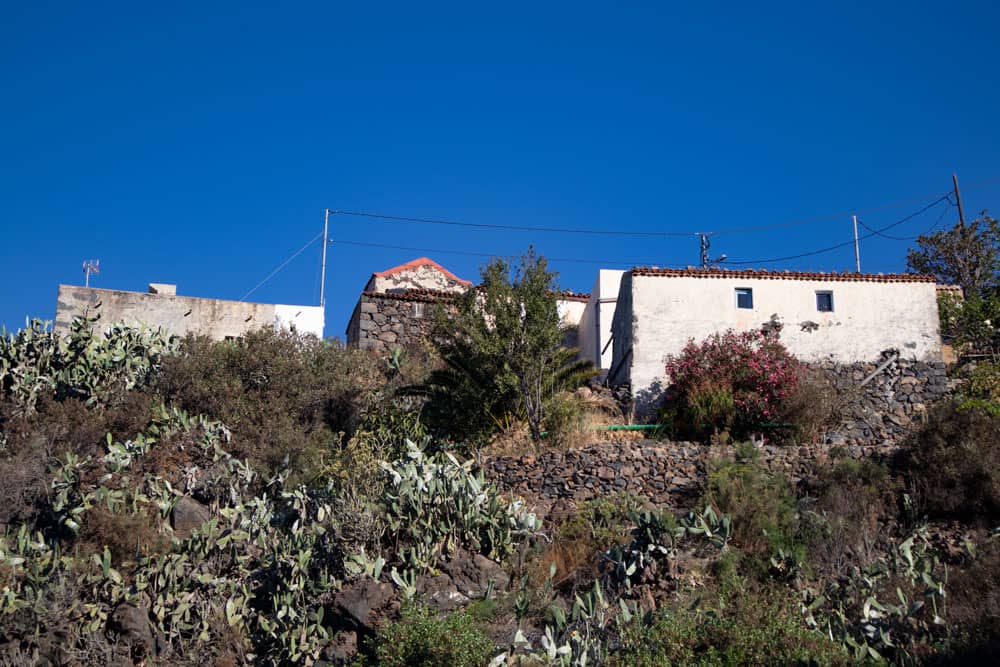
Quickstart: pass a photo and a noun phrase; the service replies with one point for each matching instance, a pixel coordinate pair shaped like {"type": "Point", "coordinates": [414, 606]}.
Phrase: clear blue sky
{"type": "Point", "coordinates": [199, 143]}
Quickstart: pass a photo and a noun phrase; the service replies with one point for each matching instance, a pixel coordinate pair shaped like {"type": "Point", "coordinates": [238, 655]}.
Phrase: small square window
{"type": "Point", "coordinates": [824, 302]}
{"type": "Point", "coordinates": [744, 297]}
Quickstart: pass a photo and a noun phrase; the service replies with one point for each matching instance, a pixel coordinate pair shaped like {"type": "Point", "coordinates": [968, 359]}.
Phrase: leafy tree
{"type": "Point", "coordinates": [967, 255]}
{"type": "Point", "coordinates": [502, 349]}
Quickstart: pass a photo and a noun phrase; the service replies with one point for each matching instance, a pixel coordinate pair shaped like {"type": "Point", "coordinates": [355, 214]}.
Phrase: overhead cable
{"type": "Point", "coordinates": [623, 232]}
{"type": "Point", "coordinates": [846, 243]}
{"type": "Point", "coordinates": [282, 265]}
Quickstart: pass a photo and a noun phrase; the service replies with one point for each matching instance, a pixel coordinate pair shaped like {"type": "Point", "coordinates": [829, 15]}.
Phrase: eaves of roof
{"type": "Point", "coordinates": [763, 274]}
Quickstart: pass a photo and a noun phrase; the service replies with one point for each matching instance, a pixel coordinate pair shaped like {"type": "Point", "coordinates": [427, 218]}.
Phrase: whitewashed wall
{"type": "Point", "coordinates": [305, 319]}
{"type": "Point", "coordinates": [595, 324]}
{"type": "Point", "coordinates": [664, 312]}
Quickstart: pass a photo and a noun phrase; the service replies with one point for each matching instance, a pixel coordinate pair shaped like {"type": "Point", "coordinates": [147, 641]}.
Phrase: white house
{"type": "Point", "coordinates": [843, 318]}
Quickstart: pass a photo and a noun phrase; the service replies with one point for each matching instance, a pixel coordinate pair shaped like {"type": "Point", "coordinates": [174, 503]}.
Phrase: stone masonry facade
{"type": "Point", "coordinates": [384, 320]}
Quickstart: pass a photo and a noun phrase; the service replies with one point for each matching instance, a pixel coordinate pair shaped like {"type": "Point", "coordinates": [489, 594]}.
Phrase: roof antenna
{"type": "Point", "coordinates": [705, 245]}
{"type": "Point", "coordinates": [90, 266]}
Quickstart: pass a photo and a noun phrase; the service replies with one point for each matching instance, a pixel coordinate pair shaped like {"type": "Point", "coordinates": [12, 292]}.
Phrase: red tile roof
{"type": "Point", "coordinates": [785, 275]}
{"type": "Point", "coordinates": [567, 295]}
{"type": "Point", "coordinates": [422, 261]}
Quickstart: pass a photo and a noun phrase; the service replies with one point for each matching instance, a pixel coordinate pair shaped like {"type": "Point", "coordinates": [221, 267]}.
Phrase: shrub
{"type": "Point", "coordinates": [953, 467]}
{"type": "Point", "coordinates": [810, 407]}
{"type": "Point", "coordinates": [422, 639]}
{"type": "Point", "coordinates": [581, 539]}
{"type": "Point", "coordinates": [747, 627]}
{"type": "Point", "coordinates": [762, 506]}
{"type": "Point", "coordinates": [731, 380]}
{"type": "Point", "coordinates": [858, 504]}
{"type": "Point", "coordinates": [286, 397]}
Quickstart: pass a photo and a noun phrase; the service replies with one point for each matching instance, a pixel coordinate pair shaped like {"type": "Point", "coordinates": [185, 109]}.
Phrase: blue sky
{"type": "Point", "coordinates": [199, 143]}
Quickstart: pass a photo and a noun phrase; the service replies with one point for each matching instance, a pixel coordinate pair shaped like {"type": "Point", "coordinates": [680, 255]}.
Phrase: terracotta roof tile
{"type": "Point", "coordinates": [785, 275]}
{"type": "Point", "coordinates": [422, 261]}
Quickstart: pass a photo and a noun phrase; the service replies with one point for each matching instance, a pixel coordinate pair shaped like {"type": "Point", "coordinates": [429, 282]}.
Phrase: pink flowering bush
{"type": "Point", "coordinates": [731, 381]}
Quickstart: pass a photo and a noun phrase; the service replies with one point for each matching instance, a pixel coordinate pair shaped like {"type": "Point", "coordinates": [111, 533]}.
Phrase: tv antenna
{"type": "Point", "coordinates": [90, 266]}
{"type": "Point", "coordinates": [705, 245]}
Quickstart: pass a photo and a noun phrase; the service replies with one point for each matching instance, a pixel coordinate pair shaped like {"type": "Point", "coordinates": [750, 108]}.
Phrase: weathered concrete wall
{"type": "Point", "coordinates": [667, 473]}
{"type": "Point", "coordinates": [181, 315]}
{"type": "Point", "coordinates": [870, 314]}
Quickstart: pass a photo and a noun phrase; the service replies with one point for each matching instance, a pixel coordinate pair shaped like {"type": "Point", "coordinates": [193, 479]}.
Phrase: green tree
{"type": "Point", "coordinates": [502, 349]}
{"type": "Point", "coordinates": [967, 255]}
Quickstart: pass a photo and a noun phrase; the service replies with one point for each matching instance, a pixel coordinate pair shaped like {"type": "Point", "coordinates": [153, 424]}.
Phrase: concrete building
{"type": "Point", "coordinates": [841, 318]}
{"type": "Point", "coordinates": [181, 315]}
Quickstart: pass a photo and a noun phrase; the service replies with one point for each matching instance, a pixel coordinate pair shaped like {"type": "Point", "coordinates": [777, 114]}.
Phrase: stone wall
{"type": "Point", "coordinates": [883, 410]}
{"type": "Point", "coordinates": [667, 473]}
{"type": "Point", "coordinates": [382, 321]}
{"type": "Point", "coordinates": [892, 402]}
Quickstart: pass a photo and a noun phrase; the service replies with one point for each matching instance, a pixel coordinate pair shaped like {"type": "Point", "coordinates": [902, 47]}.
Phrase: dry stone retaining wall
{"type": "Point", "coordinates": [667, 473]}
{"type": "Point", "coordinates": [890, 405]}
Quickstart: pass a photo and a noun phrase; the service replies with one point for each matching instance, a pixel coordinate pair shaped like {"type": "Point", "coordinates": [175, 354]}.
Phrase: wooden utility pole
{"type": "Point", "coordinates": [958, 198]}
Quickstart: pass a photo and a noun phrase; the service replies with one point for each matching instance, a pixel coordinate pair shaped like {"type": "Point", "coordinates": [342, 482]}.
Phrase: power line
{"type": "Point", "coordinates": [475, 254]}
{"type": "Point", "coordinates": [520, 228]}
{"type": "Point", "coordinates": [281, 266]}
{"type": "Point", "coordinates": [620, 232]}
{"type": "Point", "coordinates": [846, 243]}
{"type": "Point", "coordinates": [937, 222]}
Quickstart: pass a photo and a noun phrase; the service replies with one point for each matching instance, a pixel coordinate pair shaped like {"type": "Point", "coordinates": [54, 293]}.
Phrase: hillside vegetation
{"type": "Point", "coordinates": [283, 500]}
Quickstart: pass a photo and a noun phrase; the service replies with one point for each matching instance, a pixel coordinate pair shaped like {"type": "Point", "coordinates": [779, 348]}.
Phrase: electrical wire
{"type": "Point", "coordinates": [944, 211]}
{"type": "Point", "coordinates": [520, 228]}
{"type": "Point", "coordinates": [841, 245]}
{"type": "Point", "coordinates": [475, 254]}
{"type": "Point", "coordinates": [621, 232]}
{"type": "Point", "coordinates": [873, 232]}
{"type": "Point", "coordinates": [281, 266]}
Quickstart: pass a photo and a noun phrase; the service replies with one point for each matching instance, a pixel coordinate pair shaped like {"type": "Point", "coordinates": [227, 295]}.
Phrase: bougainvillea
{"type": "Point", "coordinates": [732, 381]}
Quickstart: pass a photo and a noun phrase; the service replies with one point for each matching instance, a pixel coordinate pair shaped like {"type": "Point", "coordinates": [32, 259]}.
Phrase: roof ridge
{"type": "Point", "coordinates": [421, 261]}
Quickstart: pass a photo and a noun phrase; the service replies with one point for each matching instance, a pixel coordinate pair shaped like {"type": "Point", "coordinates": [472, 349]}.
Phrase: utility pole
{"type": "Point", "coordinates": [958, 197]}
{"type": "Point", "coordinates": [322, 275]}
{"type": "Point", "coordinates": [857, 249]}
{"type": "Point", "coordinates": [705, 243]}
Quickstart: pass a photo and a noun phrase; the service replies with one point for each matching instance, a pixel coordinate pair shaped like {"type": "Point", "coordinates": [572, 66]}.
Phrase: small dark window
{"type": "Point", "coordinates": [744, 297]}
{"type": "Point", "coordinates": [824, 302]}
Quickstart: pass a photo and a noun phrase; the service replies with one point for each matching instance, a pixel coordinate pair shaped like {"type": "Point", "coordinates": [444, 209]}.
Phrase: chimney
{"type": "Point", "coordinates": [163, 289]}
